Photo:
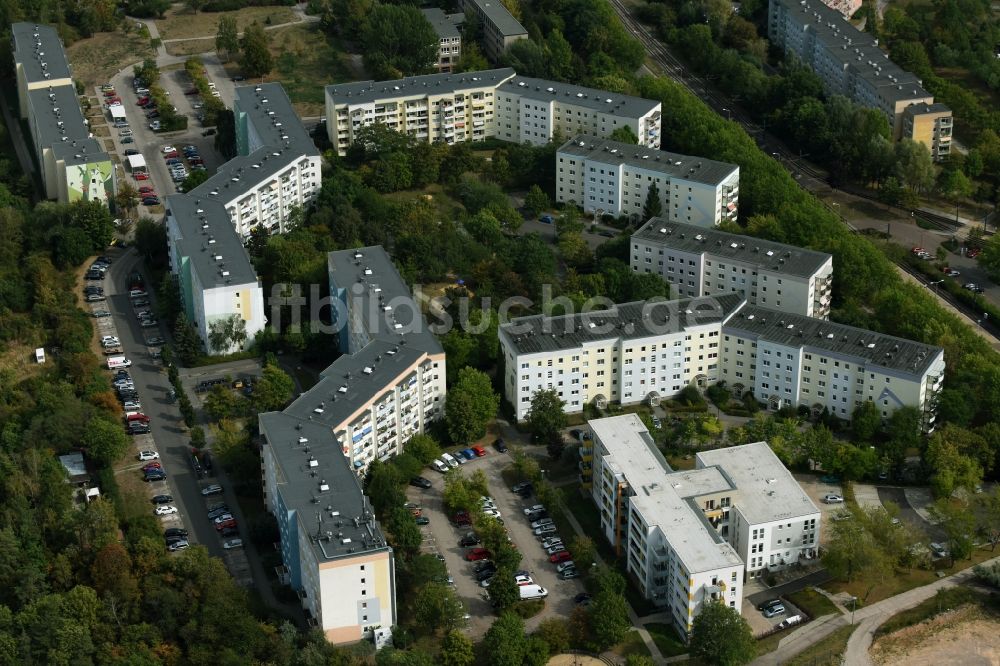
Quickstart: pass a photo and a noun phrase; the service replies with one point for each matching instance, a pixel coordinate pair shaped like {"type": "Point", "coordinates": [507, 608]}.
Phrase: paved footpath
{"type": "Point", "coordinates": [869, 619]}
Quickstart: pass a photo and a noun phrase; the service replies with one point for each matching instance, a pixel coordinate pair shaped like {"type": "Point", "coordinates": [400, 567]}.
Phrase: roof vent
{"type": "Point", "coordinates": [324, 486]}
{"type": "Point", "coordinates": [368, 370]}
{"type": "Point", "coordinates": [313, 462]}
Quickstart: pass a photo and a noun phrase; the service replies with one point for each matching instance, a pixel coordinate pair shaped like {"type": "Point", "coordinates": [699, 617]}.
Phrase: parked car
{"type": "Point", "coordinates": [155, 476]}
{"type": "Point", "coordinates": [500, 446]}
{"type": "Point", "coordinates": [469, 539]}
{"type": "Point", "coordinates": [147, 189]}
{"type": "Point", "coordinates": [175, 532]}
{"type": "Point", "coordinates": [831, 498]}
{"type": "Point", "coordinates": [233, 543]}
{"type": "Point", "coordinates": [180, 545]}
{"type": "Point", "coordinates": [214, 489]}
{"type": "Point", "coordinates": [100, 314]}
{"type": "Point", "coordinates": [420, 482]}
{"type": "Point", "coordinates": [771, 611]}
{"type": "Point", "coordinates": [769, 604]}
{"type": "Point", "coordinates": [534, 509]}
{"type": "Point", "coordinates": [476, 554]}
{"type": "Point", "coordinates": [524, 489]}
{"type": "Point", "coordinates": [569, 574]}
{"type": "Point", "coordinates": [148, 455]}
{"type": "Point", "coordinates": [950, 272]}
{"type": "Point", "coordinates": [439, 466]}
{"type": "Point", "coordinates": [561, 556]}
{"type": "Point", "coordinates": [127, 139]}
{"type": "Point", "coordinates": [422, 520]}
{"type": "Point", "coordinates": [166, 509]}
{"type": "Point", "coordinates": [939, 549]}
{"type": "Point", "coordinates": [163, 499]}
{"type": "Point", "coordinates": [565, 565]}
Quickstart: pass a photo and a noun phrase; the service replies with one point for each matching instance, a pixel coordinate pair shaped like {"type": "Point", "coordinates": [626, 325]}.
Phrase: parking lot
{"type": "Point", "coordinates": [441, 537]}
{"type": "Point", "coordinates": [759, 622]}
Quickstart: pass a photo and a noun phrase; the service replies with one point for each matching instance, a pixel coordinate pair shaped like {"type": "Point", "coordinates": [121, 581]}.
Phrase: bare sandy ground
{"type": "Point", "coordinates": [963, 637]}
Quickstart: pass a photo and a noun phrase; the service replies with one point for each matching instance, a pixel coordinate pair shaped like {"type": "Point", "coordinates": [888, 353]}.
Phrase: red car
{"type": "Point", "coordinates": [480, 451]}
{"type": "Point", "coordinates": [561, 556]}
{"type": "Point", "coordinates": [110, 93]}
{"type": "Point", "coordinates": [140, 175]}
{"type": "Point", "coordinates": [146, 189]}
{"type": "Point", "coordinates": [228, 523]}
{"type": "Point", "coordinates": [972, 254]}
{"type": "Point", "coordinates": [171, 154]}
{"type": "Point", "coordinates": [142, 101]}
{"type": "Point", "coordinates": [138, 416]}
{"type": "Point", "coordinates": [475, 554]}
{"type": "Point", "coordinates": [196, 160]}
{"type": "Point", "coordinates": [152, 465]}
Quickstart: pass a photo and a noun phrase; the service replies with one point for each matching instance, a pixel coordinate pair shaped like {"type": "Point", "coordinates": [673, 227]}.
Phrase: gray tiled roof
{"type": "Point", "coordinates": [51, 47]}
{"type": "Point", "coordinates": [338, 518]}
{"type": "Point", "coordinates": [538, 333]}
{"type": "Point", "coordinates": [674, 165]}
{"type": "Point", "coordinates": [591, 98]}
{"type": "Point", "coordinates": [363, 92]}
{"type": "Point", "coordinates": [196, 243]}
{"type": "Point", "coordinates": [443, 24]}
{"type": "Point", "coordinates": [764, 253]}
{"type": "Point", "coordinates": [874, 349]}
{"type": "Point", "coordinates": [506, 24]}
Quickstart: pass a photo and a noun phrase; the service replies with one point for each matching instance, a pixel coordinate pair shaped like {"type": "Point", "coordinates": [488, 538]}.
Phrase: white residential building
{"type": "Point", "coordinates": [535, 110]}
{"type": "Point", "coordinates": [654, 517]}
{"type": "Point", "coordinates": [500, 28]}
{"type": "Point", "coordinates": [699, 262]}
{"type": "Point", "coordinates": [616, 179]}
{"type": "Point", "coordinates": [449, 37]}
{"type": "Point", "coordinates": [771, 523]}
{"type": "Point", "coordinates": [650, 350]}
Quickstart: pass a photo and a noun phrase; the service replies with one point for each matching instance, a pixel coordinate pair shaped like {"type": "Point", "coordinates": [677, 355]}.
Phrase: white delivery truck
{"type": "Point", "coordinates": [532, 592]}
{"type": "Point", "coordinates": [116, 362]}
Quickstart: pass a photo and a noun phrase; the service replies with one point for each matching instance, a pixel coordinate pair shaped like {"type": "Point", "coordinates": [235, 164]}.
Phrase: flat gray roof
{"type": "Point", "coordinates": [316, 482]}
{"type": "Point", "coordinates": [373, 284]}
{"type": "Point", "coordinates": [767, 490]}
{"type": "Point", "coordinates": [765, 254]}
{"type": "Point", "coordinates": [874, 349]}
{"type": "Point", "coordinates": [922, 108]}
{"type": "Point", "coordinates": [674, 165]}
{"type": "Point", "coordinates": [364, 92]}
{"type": "Point", "coordinates": [52, 126]}
{"type": "Point", "coordinates": [206, 233]}
{"type": "Point", "coordinates": [269, 110]}
{"type": "Point", "coordinates": [538, 333]}
{"type": "Point", "coordinates": [443, 24]}
{"type": "Point", "coordinates": [591, 98]}
{"type": "Point", "coordinates": [34, 44]}
{"type": "Point", "coordinates": [498, 15]}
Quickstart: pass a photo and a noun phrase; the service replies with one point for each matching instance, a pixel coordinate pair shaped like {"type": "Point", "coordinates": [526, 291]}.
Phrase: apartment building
{"type": "Point", "coordinates": [789, 359]}
{"type": "Point", "coordinates": [614, 178]}
{"type": "Point", "coordinates": [72, 164]}
{"type": "Point", "coordinates": [654, 518]}
{"type": "Point", "coordinates": [647, 351]}
{"type": "Point", "coordinates": [771, 522]}
{"type": "Point", "coordinates": [334, 553]}
{"type": "Point", "coordinates": [500, 28]}
{"type": "Point", "coordinates": [932, 125]}
{"type": "Point", "coordinates": [449, 37]}
{"type": "Point", "coordinates": [277, 166]}
{"type": "Point", "coordinates": [851, 64]}
{"type": "Point", "coordinates": [699, 262]}
{"type": "Point", "coordinates": [214, 273]}
{"type": "Point", "coordinates": [533, 110]}
{"type": "Point", "coordinates": [631, 353]}
{"type": "Point", "coordinates": [448, 108]}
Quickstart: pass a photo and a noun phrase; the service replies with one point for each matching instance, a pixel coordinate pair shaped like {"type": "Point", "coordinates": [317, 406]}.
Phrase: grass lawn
{"type": "Point", "coordinates": [666, 639]}
{"type": "Point", "coordinates": [183, 24]}
{"type": "Point", "coordinates": [191, 46]}
{"type": "Point", "coordinates": [305, 60]}
{"type": "Point", "coordinates": [943, 601]}
{"type": "Point", "coordinates": [433, 194]}
{"type": "Point", "coordinates": [97, 59]}
{"type": "Point", "coordinates": [632, 645]}
{"type": "Point", "coordinates": [827, 652]}
{"type": "Point", "coordinates": [813, 603]}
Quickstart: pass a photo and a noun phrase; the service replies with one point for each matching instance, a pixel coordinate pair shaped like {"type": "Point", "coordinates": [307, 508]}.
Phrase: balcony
{"type": "Point", "coordinates": [585, 454]}
{"type": "Point", "coordinates": [585, 482]}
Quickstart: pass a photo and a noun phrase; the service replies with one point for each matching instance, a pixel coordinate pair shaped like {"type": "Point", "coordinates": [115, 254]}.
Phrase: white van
{"type": "Point", "coordinates": [532, 592]}
{"type": "Point", "coordinates": [116, 362]}
{"type": "Point", "coordinates": [439, 466]}
{"type": "Point", "coordinates": [451, 462]}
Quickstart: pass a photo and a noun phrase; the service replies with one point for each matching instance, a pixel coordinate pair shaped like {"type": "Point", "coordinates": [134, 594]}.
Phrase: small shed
{"type": "Point", "coordinates": [136, 163]}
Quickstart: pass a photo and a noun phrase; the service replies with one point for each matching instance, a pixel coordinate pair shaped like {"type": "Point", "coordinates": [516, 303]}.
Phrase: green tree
{"type": "Point", "coordinates": [104, 440]}
{"type": "Point", "coordinates": [399, 41]}
{"type": "Point", "coordinates": [583, 551]}
{"type": "Point", "coordinates": [914, 165]}
{"type": "Point", "coordinates": [223, 403]}
{"type": "Point", "coordinates": [609, 621]}
{"type": "Point", "coordinates": [227, 39]}
{"type": "Point", "coordinates": [126, 198]}
{"type": "Point", "coordinates": [423, 447]}
{"type": "Point", "coordinates": [226, 333]}
{"type": "Point", "coordinates": [255, 59]}
{"type": "Point", "coordinates": [958, 523]}
{"type": "Point", "coordinates": [457, 650]}
{"type": "Point", "coordinates": [470, 405]}
{"type": "Point", "coordinates": [384, 487]}
{"type": "Point", "coordinates": [865, 422]}
{"type": "Point", "coordinates": [854, 555]}
{"type": "Point", "coordinates": [505, 642]}
{"type": "Point", "coordinates": [555, 632]}
{"type": "Point", "coordinates": [503, 589]}
{"type": "Point", "coordinates": [273, 389]}
{"type": "Point", "coordinates": [536, 201]}
{"type": "Point", "coordinates": [195, 5]}
{"type": "Point", "coordinates": [472, 59]}
{"type": "Point", "coordinates": [406, 536]}
{"type": "Point", "coordinates": [546, 418]}
{"type": "Point", "coordinates": [194, 179]}
{"type": "Point", "coordinates": [948, 466]}
{"type": "Point", "coordinates": [437, 607]}
{"type": "Point", "coordinates": [715, 621]}
{"type": "Point", "coordinates": [989, 258]}
{"type": "Point", "coordinates": [625, 134]}
{"type": "Point", "coordinates": [653, 206]}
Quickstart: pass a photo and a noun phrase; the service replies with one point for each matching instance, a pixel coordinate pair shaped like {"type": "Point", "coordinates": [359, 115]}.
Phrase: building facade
{"type": "Point", "coordinates": [850, 63]}
{"type": "Point", "coordinates": [535, 110]}
{"type": "Point", "coordinates": [72, 163]}
{"type": "Point", "coordinates": [500, 28]}
{"type": "Point", "coordinates": [699, 262]}
{"type": "Point", "coordinates": [650, 350]}
{"type": "Point", "coordinates": [449, 37]}
{"type": "Point", "coordinates": [617, 179]}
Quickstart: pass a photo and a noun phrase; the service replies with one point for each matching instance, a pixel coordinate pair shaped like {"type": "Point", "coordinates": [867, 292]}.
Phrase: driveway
{"type": "Point", "coordinates": [907, 512]}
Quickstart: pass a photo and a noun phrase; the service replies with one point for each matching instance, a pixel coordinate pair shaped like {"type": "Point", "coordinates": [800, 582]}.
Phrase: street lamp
{"type": "Point", "coordinates": [729, 112]}
{"type": "Point", "coordinates": [934, 284]}
{"type": "Point", "coordinates": [854, 604]}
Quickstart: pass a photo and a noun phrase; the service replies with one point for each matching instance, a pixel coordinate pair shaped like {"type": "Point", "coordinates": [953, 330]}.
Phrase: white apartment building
{"type": "Point", "coordinates": [449, 38]}
{"type": "Point", "coordinates": [852, 64]}
{"type": "Point", "coordinates": [659, 521]}
{"type": "Point", "coordinates": [631, 353]}
{"type": "Point", "coordinates": [699, 262]}
{"type": "Point", "coordinates": [650, 350]}
{"type": "Point", "coordinates": [213, 270]}
{"type": "Point", "coordinates": [448, 108]}
{"type": "Point", "coordinates": [771, 522]}
{"type": "Point", "coordinates": [334, 553]}
{"type": "Point", "coordinates": [614, 178]}
{"type": "Point", "coordinates": [500, 28]}
{"type": "Point", "coordinates": [788, 359]}
{"type": "Point", "coordinates": [534, 110]}
{"type": "Point", "coordinates": [277, 168]}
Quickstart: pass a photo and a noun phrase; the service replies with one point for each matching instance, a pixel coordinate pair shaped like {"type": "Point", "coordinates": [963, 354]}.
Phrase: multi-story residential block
{"type": "Point", "coordinates": [214, 273]}
{"type": "Point", "coordinates": [275, 171]}
{"type": "Point", "coordinates": [447, 108]}
{"type": "Point", "coordinates": [698, 262]}
{"type": "Point", "coordinates": [771, 522]}
{"type": "Point", "coordinates": [650, 350]}
{"type": "Point", "coordinates": [654, 517]}
{"type": "Point", "coordinates": [630, 353]}
{"type": "Point", "coordinates": [449, 38]}
{"type": "Point", "coordinates": [617, 178]}
{"type": "Point", "coordinates": [534, 110]}
{"type": "Point", "coordinates": [277, 166]}
{"type": "Point", "coordinates": [851, 64]}
{"type": "Point", "coordinates": [334, 553]}
{"type": "Point", "coordinates": [788, 359]}
{"type": "Point", "coordinates": [72, 163]}
{"type": "Point", "coordinates": [500, 28]}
